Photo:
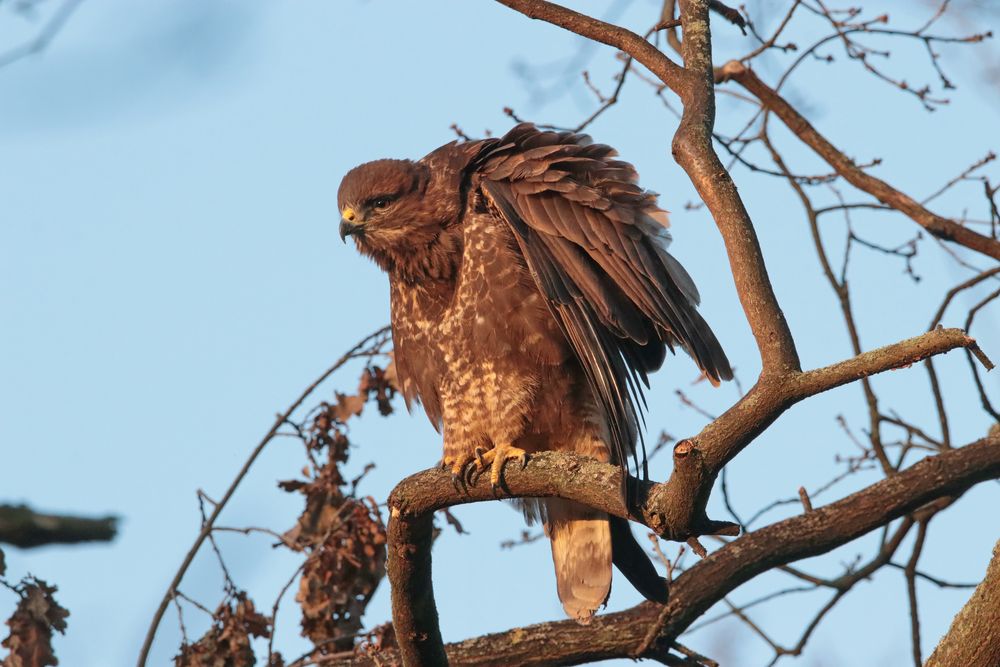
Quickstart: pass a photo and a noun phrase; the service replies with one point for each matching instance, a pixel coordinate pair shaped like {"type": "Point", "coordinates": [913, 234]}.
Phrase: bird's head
{"type": "Point", "coordinates": [381, 207]}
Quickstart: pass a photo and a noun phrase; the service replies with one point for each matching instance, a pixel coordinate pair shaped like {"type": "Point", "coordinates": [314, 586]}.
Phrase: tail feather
{"type": "Point", "coordinates": [581, 552]}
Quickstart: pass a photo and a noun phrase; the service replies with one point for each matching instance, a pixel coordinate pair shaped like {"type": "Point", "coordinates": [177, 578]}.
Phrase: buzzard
{"type": "Point", "coordinates": [531, 294]}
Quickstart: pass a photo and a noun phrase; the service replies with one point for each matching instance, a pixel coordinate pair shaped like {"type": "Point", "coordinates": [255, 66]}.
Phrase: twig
{"type": "Point", "coordinates": [804, 497]}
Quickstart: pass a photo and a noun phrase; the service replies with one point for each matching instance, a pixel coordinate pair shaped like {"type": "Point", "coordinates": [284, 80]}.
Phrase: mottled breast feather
{"type": "Point", "coordinates": [419, 306]}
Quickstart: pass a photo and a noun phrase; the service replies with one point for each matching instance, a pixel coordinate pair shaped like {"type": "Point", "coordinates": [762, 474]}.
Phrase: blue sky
{"type": "Point", "coordinates": [171, 277]}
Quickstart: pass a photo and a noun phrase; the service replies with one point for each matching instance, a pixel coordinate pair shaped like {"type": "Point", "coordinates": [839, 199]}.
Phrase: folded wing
{"type": "Point", "coordinates": [595, 243]}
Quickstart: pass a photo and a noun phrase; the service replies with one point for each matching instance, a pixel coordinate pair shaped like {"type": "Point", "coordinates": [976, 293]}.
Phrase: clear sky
{"type": "Point", "coordinates": [171, 277]}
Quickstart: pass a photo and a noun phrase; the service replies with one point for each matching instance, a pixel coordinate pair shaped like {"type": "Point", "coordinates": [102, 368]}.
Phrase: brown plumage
{"type": "Point", "coordinates": [531, 294]}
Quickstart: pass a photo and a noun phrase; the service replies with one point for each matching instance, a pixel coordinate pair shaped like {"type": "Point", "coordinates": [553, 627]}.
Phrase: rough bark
{"type": "Point", "coordinates": [974, 637]}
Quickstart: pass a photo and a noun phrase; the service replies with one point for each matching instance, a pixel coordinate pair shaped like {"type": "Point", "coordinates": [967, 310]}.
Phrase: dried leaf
{"type": "Point", "coordinates": [348, 406]}
{"type": "Point", "coordinates": [454, 522]}
{"type": "Point", "coordinates": [375, 380]}
{"type": "Point", "coordinates": [391, 376]}
{"type": "Point", "coordinates": [378, 639]}
{"type": "Point", "coordinates": [341, 574]}
{"type": "Point", "coordinates": [228, 642]}
{"type": "Point", "coordinates": [36, 616]}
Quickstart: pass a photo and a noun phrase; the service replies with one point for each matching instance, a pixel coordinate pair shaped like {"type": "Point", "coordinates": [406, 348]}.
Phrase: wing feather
{"type": "Point", "coordinates": [595, 244]}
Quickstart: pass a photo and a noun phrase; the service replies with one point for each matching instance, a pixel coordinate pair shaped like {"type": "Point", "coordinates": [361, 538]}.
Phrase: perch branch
{"type": "Point", "coordinates": [692, 593]}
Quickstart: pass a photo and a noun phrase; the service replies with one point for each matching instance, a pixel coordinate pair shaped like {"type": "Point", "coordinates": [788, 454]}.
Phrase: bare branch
{"type": "Point", "coordinates": [885, 193]}
{"type": "Point", "coordinates": [23, 527]}
{"type": "Point", "coordinates": [974, 637]}
{"type": "Point", "coordinates": [605, 33]}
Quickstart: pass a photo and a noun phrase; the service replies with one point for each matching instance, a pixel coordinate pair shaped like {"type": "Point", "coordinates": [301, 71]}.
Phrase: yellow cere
{"type": "Point", "coordinates": [349, 214]}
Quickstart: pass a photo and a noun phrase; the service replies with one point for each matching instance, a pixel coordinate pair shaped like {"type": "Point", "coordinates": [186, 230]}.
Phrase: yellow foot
{"type": "Point", "coordinates": [460, 465]}
{"type": "Point", "coordinates": [496, 457]}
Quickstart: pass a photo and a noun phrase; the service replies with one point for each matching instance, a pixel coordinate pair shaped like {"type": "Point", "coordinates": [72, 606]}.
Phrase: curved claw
{"type": "Point", "coordinates": [461, 468]}
{"type": "Point", "coordinates": [480, 458]}
{"type": "Point", "coordinates": [497, 457]}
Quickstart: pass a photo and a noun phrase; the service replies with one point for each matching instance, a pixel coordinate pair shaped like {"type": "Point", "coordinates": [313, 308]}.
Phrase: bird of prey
{"type": "Point", "coordinates": [531, 293]}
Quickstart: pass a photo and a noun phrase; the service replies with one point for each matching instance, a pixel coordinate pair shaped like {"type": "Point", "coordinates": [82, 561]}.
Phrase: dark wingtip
{"type": "Point", "coordinates": [634, 563]}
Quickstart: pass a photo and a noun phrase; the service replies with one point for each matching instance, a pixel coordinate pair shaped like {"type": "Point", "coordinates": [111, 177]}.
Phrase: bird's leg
{"type": "Point", "coordinates": [496, 457]}
{"type": "Point", "coordinates": [460, 464]}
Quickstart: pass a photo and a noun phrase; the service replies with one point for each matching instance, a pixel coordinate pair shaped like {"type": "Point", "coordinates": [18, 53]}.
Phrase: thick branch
{"type": "Point", "coordinates": [695, 153]}
{"type": "Point", "coordinates": [547, 474]}
{"type": "Point", "coordinates": [414, 614]}
{"type": "Point", "coordinates": [898, 355]}
{"type": "Point", "coordinates": [974, 637]}
{"type": "Point", "coordinates": [707, 582]}
{"type": "Point", "coordinates": [25, 528]}
{"type": "Point", "coordinates": [558, 474]}
{"type": "Point", "coordinates": [935, 224]}
{"type": "Point", "coordinates": [725, 437]}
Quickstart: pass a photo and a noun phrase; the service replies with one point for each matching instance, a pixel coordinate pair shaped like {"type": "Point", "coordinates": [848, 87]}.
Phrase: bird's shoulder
{"type": "Point", "coordinates": [455, 156]}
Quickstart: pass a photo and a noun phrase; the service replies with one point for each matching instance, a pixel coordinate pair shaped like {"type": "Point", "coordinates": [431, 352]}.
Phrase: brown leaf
{"type": "Point", "coordinates": [341, 574]}
{"type": "Point", "coordinates": [36, 616]}
{"type": "Point", "coordinates": [391, 376]}
{"type": "Point", "coordinates": [378, 639]}
{"type": "Point", "coordinates": [454, 522]}
{"type": "Point", "coordinates": [228, 642]}
{"type": "Point", "coordinates": [376, 381]}
{"type": "Point", "coordinates": [348, 406]}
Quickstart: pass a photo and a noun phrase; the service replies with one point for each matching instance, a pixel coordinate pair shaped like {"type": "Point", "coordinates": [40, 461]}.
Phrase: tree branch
{"type": "Point", "coordinates": [620, 634]}
{"type": "Point", "coordinates": [724, 438]}
{"type": "Point", "coordinates": [695, 153]}
{"type": "Point", "coordinates": [940, 227]}
{"type": "Point", "coordinates": [622, 39]}
{"type": "Point", "coordinates": [898, 355]}
{"type": "Point", "coordinates": [23, 527]}
{"type": "Point", "coordinates": [974, 637]}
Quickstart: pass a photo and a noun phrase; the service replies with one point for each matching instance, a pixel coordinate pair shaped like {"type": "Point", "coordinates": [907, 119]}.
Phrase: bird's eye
{"type": "Point", "coordinates": [381, 203]}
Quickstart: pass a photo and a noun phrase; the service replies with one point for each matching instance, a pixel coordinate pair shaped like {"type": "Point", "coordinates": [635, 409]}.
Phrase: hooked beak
{"type": "Point", "coordinates": [349, 229]}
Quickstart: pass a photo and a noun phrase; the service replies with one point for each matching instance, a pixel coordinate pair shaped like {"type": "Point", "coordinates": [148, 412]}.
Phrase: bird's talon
{"type": "Point", "coordinates": [500, 455]}
{"type": "Point", "coordinates": [460, 466]}
{"type": "Point", "coordinates": [480, 460]}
